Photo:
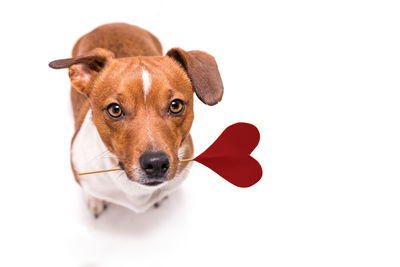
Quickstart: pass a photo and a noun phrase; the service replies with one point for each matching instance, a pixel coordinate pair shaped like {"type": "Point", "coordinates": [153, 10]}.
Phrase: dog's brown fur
{"type": "Point", "coordinates": [123, 40]}
{"type": "Point", "coordinates": [106, 67]}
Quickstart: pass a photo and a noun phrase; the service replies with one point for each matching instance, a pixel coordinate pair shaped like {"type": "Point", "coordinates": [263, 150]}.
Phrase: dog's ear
{"type": "Point", "coordinates": [83, 69]}
{"type": "Point", "coordinates": [203, 73]}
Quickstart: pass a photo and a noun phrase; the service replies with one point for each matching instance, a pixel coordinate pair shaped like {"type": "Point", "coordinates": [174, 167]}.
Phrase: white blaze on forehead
{"type": "Point", "coordinates": [146, 82]}
{"type": "Point", "coordinates": [146, 88]}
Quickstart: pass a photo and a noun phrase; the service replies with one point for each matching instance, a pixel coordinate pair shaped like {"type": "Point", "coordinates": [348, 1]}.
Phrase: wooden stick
{"type": "Point", "coordinates": [118, 169]}
{"type": "Point", "coordinates": [185, 160]}
{"type": "Point", "coordinates": [109, 170]}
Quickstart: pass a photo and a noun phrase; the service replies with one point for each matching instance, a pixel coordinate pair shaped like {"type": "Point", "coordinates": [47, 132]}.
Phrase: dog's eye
{"type": "Point", "coordinates": [114, 110]}
{"type": "Point", "coordinates": [176, 106]}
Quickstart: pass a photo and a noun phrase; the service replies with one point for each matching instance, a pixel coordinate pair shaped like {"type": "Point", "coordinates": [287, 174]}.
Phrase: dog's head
{"type": "Point", "coordinates": [142, 107]}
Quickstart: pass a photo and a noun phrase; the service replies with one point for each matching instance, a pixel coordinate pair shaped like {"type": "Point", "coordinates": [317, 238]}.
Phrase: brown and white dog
{"type": "Point", "coordinates": [133, 108]}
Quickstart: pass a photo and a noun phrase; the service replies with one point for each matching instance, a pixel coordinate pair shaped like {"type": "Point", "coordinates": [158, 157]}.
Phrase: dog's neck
{"type": "Point", "coordinates": [89, 153]}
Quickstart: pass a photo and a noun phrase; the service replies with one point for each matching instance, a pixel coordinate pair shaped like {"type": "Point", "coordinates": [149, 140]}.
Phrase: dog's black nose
{"type": "Point", "coordinates": [154, 164]}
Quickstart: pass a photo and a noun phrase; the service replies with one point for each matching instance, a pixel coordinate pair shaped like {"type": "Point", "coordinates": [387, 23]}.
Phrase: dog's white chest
{"type": "Point", "coordinates": [89, 153]}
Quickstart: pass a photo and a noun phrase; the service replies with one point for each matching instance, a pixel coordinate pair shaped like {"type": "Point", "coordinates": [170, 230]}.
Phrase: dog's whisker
{"type": "Point", "coordinates": [101, 155]}
{"type": "Point", "coordinates": [122, 173]}
{"type": "Point", "coordinates": [110, 157]}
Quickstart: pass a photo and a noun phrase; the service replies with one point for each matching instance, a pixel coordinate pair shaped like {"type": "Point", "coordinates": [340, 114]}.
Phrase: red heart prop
{"type": "Point", "coordinates": [229, 155]}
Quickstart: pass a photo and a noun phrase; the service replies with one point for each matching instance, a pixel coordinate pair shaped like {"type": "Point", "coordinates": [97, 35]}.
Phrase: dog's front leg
{"type": "Point", "coordinates": [96, 206]}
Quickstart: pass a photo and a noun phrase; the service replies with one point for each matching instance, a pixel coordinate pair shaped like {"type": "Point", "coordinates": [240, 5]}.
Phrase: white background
{"type": "Point", "coordinates": [321, 81]}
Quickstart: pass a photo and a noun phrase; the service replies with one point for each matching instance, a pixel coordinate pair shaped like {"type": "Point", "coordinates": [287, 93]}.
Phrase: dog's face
{"type": "Point", "coordinates": [143, 110]}
{"type": "Point", "coordinates": [142, 107]}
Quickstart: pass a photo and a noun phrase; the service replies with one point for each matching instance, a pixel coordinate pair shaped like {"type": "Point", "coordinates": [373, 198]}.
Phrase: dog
{"type": "Point", "coordinates": [133, 110]}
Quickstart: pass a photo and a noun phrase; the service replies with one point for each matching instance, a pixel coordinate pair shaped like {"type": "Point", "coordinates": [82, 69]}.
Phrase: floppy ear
{"type": "Point", "coordinates": [203, 73]}
{"type": "Point", "coordinates": [83, 69]}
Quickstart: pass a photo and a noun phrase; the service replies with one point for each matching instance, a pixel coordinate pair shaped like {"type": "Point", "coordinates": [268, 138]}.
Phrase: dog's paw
{"type": "Point", "coordinates": [157, 204]}
{"type": "Point", "coordinates": [96, 206]}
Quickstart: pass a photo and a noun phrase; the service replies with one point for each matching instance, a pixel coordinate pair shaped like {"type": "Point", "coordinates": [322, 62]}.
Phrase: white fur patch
{"type": "Point", "coordinates": [181, 152]}
{"type": "Point", "coordinates": [146, 82]}
{"type": "Point", "coordinates": [146, 88]}
{"type": "Point", "coordinates": [90, 154]}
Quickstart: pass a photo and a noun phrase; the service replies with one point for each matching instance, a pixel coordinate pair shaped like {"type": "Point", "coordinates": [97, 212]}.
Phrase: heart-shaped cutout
{"type": "Point", "coordinates": [229, 155]}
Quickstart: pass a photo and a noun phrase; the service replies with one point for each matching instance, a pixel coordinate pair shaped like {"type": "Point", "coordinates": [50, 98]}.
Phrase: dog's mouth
{"type": "Point", "coordinates": [148, 182]}
{"type": "Point", "coordinates": [153, 183]}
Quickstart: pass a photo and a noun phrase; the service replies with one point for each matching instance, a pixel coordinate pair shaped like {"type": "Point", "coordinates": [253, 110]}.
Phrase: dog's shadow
{"type": "Point", "coordinates": [119, 220]}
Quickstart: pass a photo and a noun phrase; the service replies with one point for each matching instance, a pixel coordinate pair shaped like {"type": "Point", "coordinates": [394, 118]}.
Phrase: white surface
{"type": "Point", "coordinates": [321, 81]}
